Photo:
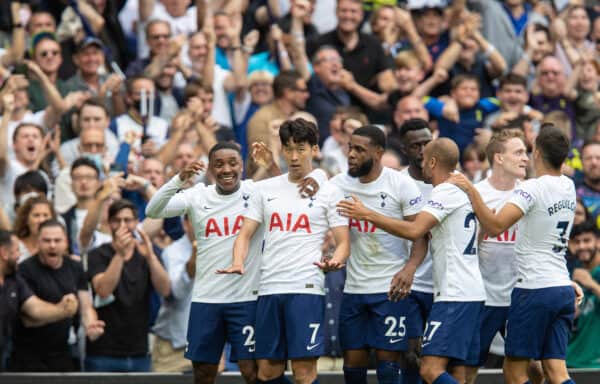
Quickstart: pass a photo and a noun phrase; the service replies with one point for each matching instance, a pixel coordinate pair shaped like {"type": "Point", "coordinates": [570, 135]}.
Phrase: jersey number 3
{"type": "Point", "coordinates": [562, 231]}
{"type": "Point", "coordinates": [471, 249]}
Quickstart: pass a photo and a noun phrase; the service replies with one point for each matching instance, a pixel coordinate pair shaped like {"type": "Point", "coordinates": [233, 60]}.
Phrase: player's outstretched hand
{"type": "Point", "coordinates": [330, 265]}
{"type": "Point", "coordinates": [460, 180]}
{"type": "Point", "coordinates": [308, 187]}
{"type": "Point", "coordinates": [192, 170]}
{"type": "Point", "coordinates": [401, 283]}
{"type": "Point", "coordinates": [233, 270]}
{"type": "Point", "coordinates": [353, 208]}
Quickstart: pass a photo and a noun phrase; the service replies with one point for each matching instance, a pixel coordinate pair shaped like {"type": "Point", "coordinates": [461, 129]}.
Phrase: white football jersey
{"type": "Point", "coordinates": [423, 279]}
{"type": "Point", "coordinates": [453, 244]}
{"type": "Point", "coordinates": [548, 205]}
{"type": "Point", "coordinates": [216, 220]}
{"type": "Point", "coordinates": [375, 255]}
{"type": "Point", "coordinates": [497, 257]}
{"type": "Point", "coordinates": [294, 231]}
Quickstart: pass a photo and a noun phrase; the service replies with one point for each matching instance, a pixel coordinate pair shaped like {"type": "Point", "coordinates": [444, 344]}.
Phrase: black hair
{"type": "Point", "coordinates": [587, 226]}
{"type": "Point", "coordinates": [224, 145]}
{"type": "Point", "coordinates": [30, 180]}
{"type": "Point", "coordinates": [285, 80]}
{"type": "Point", "coordinates": [513, 79]}
{"type": "Point", "coordinates": [85, 162]}
{"type": "Point", "coordinates": [51, 223]}
{"type": "Point", "coordinates": [120, 205]}
{"type": "Point", "coordinates": [298, 130]}
{"type": "Point", "coordinates": [553, 145]}
{"type": "Point", "coordinates": [5, 238]}
{"type": "Point", "coordinates": [415, 124]}
{"type": "Point", "coordinates": [374, 133]}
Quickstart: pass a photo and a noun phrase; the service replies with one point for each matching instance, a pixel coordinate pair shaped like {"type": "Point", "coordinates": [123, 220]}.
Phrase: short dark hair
{"type": "Point", "coordinates": [24, 124]}
{"type": "Point", "coordinates": [94, 102]}
{"type": "Point", "coordinates": [224, 145]}
{"type": "Point", "coordinates": [193, 87]}
{"type": "Point", "coordinates": [512, 79]}
{"type": "Point", "coordinates": [5, 238]}
{"type": "Point", "coordinates": [120, 205]}
{"type": "Point", "coordinates": [30, 180]}
{"type": "Point", "coordinates": [85, 162]}
{"type": "Point", "coordinates": [298, 130]}
{"type": "Point", "coordinates": [415, 124]}
{"type": "Point", "coordinates": [553, 145]}
{"type": "Point", "coordinates": [285, 80]}
{"type": "Point", "coordinates": [325, 47]}
{"type": "Point", "coordinates": [152, 23]}
{"type": "Point", "coordinates": [459, 79]}
{"type": "Point", "coordinates": [131, 80]}
{"type": "Point", "coordinates": [587, 226]}
{"type": "Point", "coordinates": [52, 223]}
{"type": "Point", "coordinates": [374, 133]}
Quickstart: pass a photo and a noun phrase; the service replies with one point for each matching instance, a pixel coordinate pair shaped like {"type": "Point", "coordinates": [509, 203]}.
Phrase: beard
{"type": "Point", "coordinates": [11, 267]}
{"type": "Point", "coordinates": [362, 169]}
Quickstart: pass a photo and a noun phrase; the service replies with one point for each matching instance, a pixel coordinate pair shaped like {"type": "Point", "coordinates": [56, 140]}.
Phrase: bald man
{"type": "Point", "coordinates": [451, 333]}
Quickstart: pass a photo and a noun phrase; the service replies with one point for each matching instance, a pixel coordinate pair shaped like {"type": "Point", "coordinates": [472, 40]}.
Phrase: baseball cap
{"type": "Point", "coordinates": [88, 42]}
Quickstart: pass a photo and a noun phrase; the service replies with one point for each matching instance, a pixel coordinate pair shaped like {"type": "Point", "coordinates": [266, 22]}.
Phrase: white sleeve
{"type": "Point", "coordinates": [166, 202]}
{"type": "Point", "coordinates": [412, 198]}
{"type": "Point", "coordinates": [333, 216]}
{"type": "Point", "coordinates": [240, 108]}
{"type": "Point", "coordinates": [181, 283]}
{"type": "Point", "coordinates": [443, 201]}
{"type": "Point", "coordinates": [255, 205]}
{"type": "Point", "coordinates": [319, 175]}
{"type": "Point", "coordinates": [524, 196]}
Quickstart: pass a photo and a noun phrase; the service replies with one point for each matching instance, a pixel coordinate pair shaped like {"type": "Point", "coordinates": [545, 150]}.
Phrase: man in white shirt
{"type": "Point", "coordinates": [414, 135]}
{"type": "Point", "coordinates": [452, 328]}
{"type": "Point", "coordinates": [150, 132]}
{"type": "Point", "coordinates": [290, 307]}
{"type": "Point", "coordinates": [507, 155]}
{"type": "Point", "coordinates": [224, 305]}
{"type": "Point", "coordinates": [368, 319]}
{"type": "Point", "coordinates": [543, 301]}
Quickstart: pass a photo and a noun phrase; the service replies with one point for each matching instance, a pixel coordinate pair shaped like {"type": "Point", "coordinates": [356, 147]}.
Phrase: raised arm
{"type": "Point", "coordinates": [8, 104]}
{"type": "Point", "coordinates": [158, 275]}
{"type": "Point", "coordinates": [146, 7]}
{"type": "Point", "coordinates": [405, 23]}
{"type": "Point", "coordinates": [496, 65]}
{"type": "Point", "coordinates": [165, 202]}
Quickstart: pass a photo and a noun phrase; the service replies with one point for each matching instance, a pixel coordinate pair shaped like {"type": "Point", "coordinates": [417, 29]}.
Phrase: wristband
{"type": "Point", "coordinates": [491, 49]}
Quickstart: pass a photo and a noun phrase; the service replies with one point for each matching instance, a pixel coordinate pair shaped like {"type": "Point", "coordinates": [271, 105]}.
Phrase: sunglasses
{"type": "Point", "coordinates": [49, 53]}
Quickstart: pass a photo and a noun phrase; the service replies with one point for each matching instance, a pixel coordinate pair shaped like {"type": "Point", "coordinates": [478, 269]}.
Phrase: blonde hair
{"type": "Point", "coordinates": [260, 76]}
{"type": "Point", "coordinates": [407, 59]}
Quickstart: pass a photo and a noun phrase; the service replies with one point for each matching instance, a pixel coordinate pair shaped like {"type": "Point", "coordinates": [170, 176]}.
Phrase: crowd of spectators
{"type": "Point", "coordinates": [102, 101]}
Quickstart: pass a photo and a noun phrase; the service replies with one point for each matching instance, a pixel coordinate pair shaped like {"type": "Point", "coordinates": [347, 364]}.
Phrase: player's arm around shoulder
{"type": "Point", "coordinates": [241, 246]}
{"type": "Point", "coordinates": [492, 223]}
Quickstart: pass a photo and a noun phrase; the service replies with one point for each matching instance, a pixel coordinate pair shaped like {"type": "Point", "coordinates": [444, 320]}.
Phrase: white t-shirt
{"type": "Point", "coordinates": [13, 170]}
{"type": "Point", "coordinates": [185, 24]}
{"type": "Point", "coordinates": [548, 205]}
{"type": "Point", "coordinates": [156, 128]}
{"type": "Point", "coordinates": [423, 279]}
{"type": "Point", "coordinates": [216, 220]}
{"type": "Point", "coordinates": [456, 275]}
{"type": "Point", "coordinates": [295, 229]}
{"type": "Point", "coordinates": [376, 256]}
{"type": "Point", "coordinates": [497, 258]}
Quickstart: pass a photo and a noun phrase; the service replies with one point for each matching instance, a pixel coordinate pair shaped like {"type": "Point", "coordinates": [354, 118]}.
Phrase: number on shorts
{"type": "Point", "coordinates": [248, 331]}
{"type": "Point", "coordinates": [434, 327]}
{"type": "Point", "coordinates": [315, 329]}
{"type": "Point", "coordinates": [471, 249]}
{"type": "Point", "coordinates": [562, 227]}
{"type": "Point", "coordinates": [395, 327]}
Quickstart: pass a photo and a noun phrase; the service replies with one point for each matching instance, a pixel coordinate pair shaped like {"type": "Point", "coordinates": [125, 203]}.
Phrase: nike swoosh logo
{"type": "Point", "coordinates": [311, 347]}
{"type": "Point", "coordinates": [394, 341]}
{"type": "Point", "coordinates": [205, 207]}
{"type": "Point", "coordinates": [270, 198]}
{"type": "Point", "coordinates": [425, 344]}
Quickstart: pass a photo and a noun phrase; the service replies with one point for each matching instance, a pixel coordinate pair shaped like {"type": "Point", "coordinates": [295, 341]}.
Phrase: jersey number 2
{"type": "Point", "coordinates": [471, 249]}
